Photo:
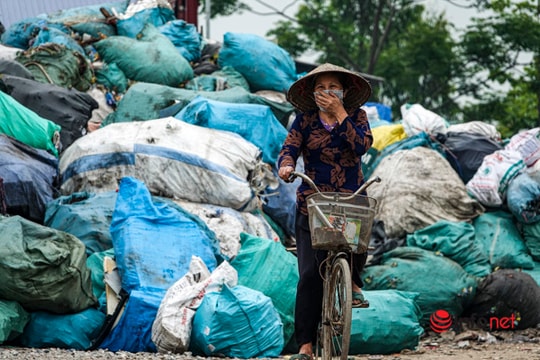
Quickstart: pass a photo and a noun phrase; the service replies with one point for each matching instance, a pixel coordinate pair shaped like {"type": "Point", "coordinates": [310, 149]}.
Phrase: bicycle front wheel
{"type": "Point", "coordinates": [337, 312]}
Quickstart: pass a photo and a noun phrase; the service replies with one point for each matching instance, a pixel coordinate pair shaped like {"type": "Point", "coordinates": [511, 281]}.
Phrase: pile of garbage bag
{"type": "Point", "coordinates": [141, 209]}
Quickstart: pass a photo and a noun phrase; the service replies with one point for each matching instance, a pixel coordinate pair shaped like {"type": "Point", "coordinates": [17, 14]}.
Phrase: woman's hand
{"type": "Point", "coordinates": [331, 105]}
{"type": "Point", "coordinates": [284, 173]}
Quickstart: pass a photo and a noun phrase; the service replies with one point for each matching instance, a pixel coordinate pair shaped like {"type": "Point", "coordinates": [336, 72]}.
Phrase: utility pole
{"type": "Point", "coordinates": [208, 6]}
{"type": "Point", "coordinates": [537, 68]}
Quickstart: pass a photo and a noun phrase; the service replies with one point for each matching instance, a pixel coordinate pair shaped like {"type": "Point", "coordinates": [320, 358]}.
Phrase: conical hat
{"type": "Point", "coordinates": [300, 93]}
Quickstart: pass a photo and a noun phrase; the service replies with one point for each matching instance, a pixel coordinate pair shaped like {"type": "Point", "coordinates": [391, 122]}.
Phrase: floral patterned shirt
{"type": "Point", "coordinates": [331, 158]}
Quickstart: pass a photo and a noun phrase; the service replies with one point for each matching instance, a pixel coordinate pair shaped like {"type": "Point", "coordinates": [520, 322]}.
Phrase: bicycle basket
{"type": "Point", "coordinates": [340, 221]}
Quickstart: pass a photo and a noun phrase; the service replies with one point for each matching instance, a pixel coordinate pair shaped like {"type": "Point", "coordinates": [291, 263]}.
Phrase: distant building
{"type": "Point", "coordinates": [12, 11]}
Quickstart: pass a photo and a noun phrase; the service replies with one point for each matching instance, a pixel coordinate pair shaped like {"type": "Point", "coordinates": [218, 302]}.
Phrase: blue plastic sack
{"type": "Point", "coordinates": [237, 322]}
{"type": "Point", "coordinates": [384, 111]}
{"type": "Point", "coordinates": [86, 13]}
{"type": "Point", "coordinates": [86, 215]}
{"type": "Point", "coordinates": [154, 241]}
{"type": "Point", "coordinates": [280, 203]}
{"type": "Point", "coordinates": [68, 331]}
{"type": "Point", "coordinates": [133, 332]}
{"type": "Point", "coordinates": [255, 123]}
{"type": "Point", "coordinates": [20, 33]}
{"type": "Point", "coordinates": [266, 266]}
{"type": "Point", "coordinates": [133, 25]}
{"type": "Point", "coordinates": [52, 35]}
{"type": "Point", "coordinates": [185, 38]}
{"type": "Point", "coordinates": [265, 65]}
{"type": "Point", "coordinates": [523, 198]}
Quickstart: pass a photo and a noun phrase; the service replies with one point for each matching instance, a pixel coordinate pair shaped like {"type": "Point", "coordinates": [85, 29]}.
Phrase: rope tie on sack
{"type": "Point", "coordinates": [40, 67]}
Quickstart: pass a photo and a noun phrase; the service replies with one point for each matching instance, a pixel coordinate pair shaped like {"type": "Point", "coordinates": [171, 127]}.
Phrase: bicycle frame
{"type": "Point", "coordinates": [336, 315]}
{"type": "Point", "coordinates": [334, 333]}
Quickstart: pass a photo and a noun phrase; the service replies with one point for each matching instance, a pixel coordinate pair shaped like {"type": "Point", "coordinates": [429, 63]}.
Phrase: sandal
{"type": "Point", "coordinates": [358, 301]}
{"type": "Point", "coordinates": [301, 357]}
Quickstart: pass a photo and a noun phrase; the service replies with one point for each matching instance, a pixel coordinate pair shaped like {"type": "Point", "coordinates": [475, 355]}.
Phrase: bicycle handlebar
{"type": "Point", "coordinates": [310, 182]}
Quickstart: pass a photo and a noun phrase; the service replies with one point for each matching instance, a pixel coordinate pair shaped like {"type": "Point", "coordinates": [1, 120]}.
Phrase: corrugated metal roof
{"type": "Point", "coordinates": [12, 11]}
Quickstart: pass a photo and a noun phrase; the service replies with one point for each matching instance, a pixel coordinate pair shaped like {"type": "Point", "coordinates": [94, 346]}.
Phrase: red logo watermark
{"type": "Point", "coordinates": [441, 321]}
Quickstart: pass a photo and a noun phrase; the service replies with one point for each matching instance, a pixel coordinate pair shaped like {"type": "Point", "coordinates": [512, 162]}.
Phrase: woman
{"type": "Point", "coordinates": [331, 133]}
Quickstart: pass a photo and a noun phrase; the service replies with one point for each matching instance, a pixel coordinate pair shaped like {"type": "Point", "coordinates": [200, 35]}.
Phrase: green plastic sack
{"type": "Point", "coordinates": [226, 78]}
{"type": "Point", "coordinates": [266, 266]}
{"type": "Point", "coordinates": [455, 240]}
{"type": "Point", "coordinates": [95, 265]}
{"type": "Point", "coordinates": [146, 101]}
{"type": "Point", "coordinates": [23, 124]}
{"type": "Point", "coordinates": [112, 78]}
{"type": "Point", "coordinates": [56, 64]}
{"type": "Point", "coordinates": [151, 57]}
{"type": "Point", "coordinates": [389, 325]}
{"type": "Point", "coordinates": [501, 241]}
{"type": "Point", "coordinates": [440, 282]}
{"type": "Point", "coordinates": [43, 268]}
{"type": "Point", "coordinates": [13, 319]}
{"type": "Point", "coordinates": [531, 235]}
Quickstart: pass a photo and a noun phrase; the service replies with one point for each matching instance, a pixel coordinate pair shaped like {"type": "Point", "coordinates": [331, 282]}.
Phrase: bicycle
{"type": "Point", "coordinates": [340, 223]}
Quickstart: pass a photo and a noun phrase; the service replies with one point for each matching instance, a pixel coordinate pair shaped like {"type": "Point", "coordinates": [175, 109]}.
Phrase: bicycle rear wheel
{"type": "Point", "coordinates": [337, 312]}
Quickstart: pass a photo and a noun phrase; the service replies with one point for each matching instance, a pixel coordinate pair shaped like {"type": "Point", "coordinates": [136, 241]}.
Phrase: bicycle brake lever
{"type": "Point", "coordinates": [292, 177]}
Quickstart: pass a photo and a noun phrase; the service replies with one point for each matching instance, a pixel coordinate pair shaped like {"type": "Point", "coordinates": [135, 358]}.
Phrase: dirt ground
{"type": "Point", "coordinates": [466, 345]}
{"type": "Point", "coordinates": [472, 344]}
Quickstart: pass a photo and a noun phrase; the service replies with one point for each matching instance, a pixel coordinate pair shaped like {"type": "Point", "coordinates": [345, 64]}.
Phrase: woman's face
{"type": "Point", "coordinates": [327, 82]}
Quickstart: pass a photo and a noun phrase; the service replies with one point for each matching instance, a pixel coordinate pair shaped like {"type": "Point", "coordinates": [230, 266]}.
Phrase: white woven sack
{"type": "Point", "coordinates": [138, 6]}
{"type": "Point", "coordinates": [418, 189]}
{"type": "Point", "coordinates": [527, 143]}
{"type": "Point", "coordinates": [490, 182]}
{"type": "Point", "coordinates": [173, 158]}
{"type": "Point", "coordinates": [103, 110]}
{"type": "Point", "coordinates": [534, 171]}
{"type": "Point", "coordinates": [417, 119]}
{"type": "Point", "coordinates": [228, 224]}
{"type": "Point", "coordinates": [171, 329]}
{"type": "Point", "coordinates": [476, 127]}
{"type": "Point", "coordinates": [8, 52]}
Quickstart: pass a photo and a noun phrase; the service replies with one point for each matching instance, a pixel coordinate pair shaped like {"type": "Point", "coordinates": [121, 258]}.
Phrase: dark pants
{"type": "Point", "coordinates": [309, 292]}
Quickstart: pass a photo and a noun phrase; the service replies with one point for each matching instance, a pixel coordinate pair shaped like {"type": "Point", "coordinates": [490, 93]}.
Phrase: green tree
{"type": "Point", "coordinates": [224, 7]}
{"type": "Point", "coordinates": [502, 69]}
{"type": "Point", "coordinates": [489, 71]}
{"type": "Point", "coordinates": [390, 39]}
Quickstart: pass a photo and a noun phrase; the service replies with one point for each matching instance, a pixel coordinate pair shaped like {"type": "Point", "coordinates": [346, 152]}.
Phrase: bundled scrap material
{"type": "Point", "coordinates": [496, 306]}
{"type": "Point", "coordinates": [144, 156]}
{"type": "Point", "coordinates": [168, 154]}
{"type": "Point", "coordinates": [67, 107]}
{"type": "Point", "coordinates": [29, 179]}
{"type": "Point", "coordinates": [171, 330]}
{"type": "Point", "coordinates": [419, 189]}
{"type": "Point", "coordinates": [410, 268]}
{"type": "Point", "coordinates": [60, 281]}
{"type": "Point", "coordinates": [25, 125]}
